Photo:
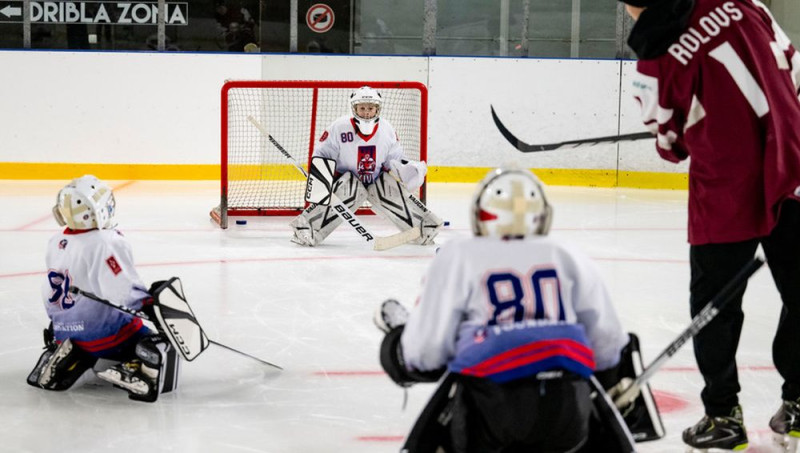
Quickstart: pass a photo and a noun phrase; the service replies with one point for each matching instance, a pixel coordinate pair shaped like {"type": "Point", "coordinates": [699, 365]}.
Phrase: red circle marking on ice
{"type": "Point", "coordinates": [319, 18]}
{"type": "Point", "coordinates": [668, 402]}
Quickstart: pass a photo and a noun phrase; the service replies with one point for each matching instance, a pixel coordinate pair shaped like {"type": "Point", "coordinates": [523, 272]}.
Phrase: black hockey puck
{"type": "Point", "coordinates": [446, 223]}
{"type": "Point", "coordinates": [241, 222]}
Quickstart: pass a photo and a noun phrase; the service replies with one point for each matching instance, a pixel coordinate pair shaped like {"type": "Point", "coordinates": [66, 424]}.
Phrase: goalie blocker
{"type": "Point", "coordinates": [176, 320]}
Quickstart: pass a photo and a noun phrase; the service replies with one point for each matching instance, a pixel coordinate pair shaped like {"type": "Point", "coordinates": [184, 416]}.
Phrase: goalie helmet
{"type": "Point", "coordinates": [510, 203]}
{"type": "Point", "coordinates": [366, 95]}
{"type": "Point", "coordinates": [84, 204]}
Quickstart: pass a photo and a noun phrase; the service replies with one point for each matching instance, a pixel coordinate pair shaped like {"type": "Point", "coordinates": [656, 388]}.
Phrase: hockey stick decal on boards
{"type": "Point", "coordinates": [528, 148]}
{"type": "Point", "coordinates": [143, 315]}
{"type": "Point", "coordinates": [700, 320]}
{"type": "Point", "coordinates": [341, 209]}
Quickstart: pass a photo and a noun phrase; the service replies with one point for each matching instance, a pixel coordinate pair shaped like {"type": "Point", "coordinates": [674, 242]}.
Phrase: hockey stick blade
{"type": "Point", "coordinates": [700, 320]}
{"type": "Point", "coordinates": [528, 148]}
{"type": "Point", "coordinates": [395, 240]}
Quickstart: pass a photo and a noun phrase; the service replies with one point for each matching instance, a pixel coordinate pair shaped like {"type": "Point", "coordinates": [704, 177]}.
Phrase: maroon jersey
{"type": "Point", "coordinates": [726, 94]}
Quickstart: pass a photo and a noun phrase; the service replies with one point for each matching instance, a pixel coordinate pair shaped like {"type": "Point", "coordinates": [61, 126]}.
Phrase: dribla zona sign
{"type": "Point", "coordinates": [122, 13]}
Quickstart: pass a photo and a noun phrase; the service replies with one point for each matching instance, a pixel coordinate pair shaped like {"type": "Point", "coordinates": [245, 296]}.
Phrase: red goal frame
{"type": "Point", "coordinates": [223, 211]}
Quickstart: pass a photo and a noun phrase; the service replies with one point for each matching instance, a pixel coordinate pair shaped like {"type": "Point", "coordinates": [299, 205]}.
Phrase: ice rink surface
{"type": "Point", "coordinates": [310, 311]}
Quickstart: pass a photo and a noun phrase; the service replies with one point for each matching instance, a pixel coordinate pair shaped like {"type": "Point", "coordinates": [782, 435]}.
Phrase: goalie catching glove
{"type": "Point", "coordinates": [411, 173]}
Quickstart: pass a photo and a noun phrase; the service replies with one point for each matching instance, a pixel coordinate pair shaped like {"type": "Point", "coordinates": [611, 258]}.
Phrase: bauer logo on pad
{"type": "Point", "coordinates": [319, 185]}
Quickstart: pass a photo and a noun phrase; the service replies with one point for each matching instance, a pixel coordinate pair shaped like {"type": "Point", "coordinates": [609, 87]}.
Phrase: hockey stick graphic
{"type": "Point", "coordinates": [171, 334]}
{"type": "Point", "coordinates": [527, 148]}
{"type": "Point", "coordinates": [705, 316]}
{"type": "Point", "coordinates": [341, 209]}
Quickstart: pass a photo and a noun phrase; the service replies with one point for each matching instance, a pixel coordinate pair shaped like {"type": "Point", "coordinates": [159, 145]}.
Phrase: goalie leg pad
{"type": "Point", "coordinates": [392, 201]}
{"type": "Point", "coordinates": [59, 368]}
{"type": "Point", "coordinates": [432, 432]}
{"type": "Point", "coordinates": [607, 429]}
{"type": "Point", "coordinates": [153, 371]}
{"type": "Point", "coordinates": [314, 224]}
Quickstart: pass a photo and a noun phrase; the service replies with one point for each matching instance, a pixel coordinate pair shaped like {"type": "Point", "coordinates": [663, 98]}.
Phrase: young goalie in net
{"type": "Point", "coordinates": [369, 165]}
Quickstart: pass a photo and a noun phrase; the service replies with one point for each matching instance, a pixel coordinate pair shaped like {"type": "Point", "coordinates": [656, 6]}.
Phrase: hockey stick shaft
{"type": "Point", "coordinates": [341, 209]}
{"type": "Point", "coordinates": [244, 354]}
{"type": "Point", "coordinates": [528, 148]}
{"type": "Point", "coordinates": [122, 308]}
{"type": "Point", "coordinates": [709, 312]}
{"type": "Point", "coordinates": [143, 315]}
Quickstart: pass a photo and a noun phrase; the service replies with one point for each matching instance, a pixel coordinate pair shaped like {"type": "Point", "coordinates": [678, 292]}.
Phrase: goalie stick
{"type": "Point", "coordinates": [700, 320]}
{"type": "Point", "coordinates": [528, 148]}
{"type": "Point", "coordinates": [341, 209]}
{"type": "Point", "coordinates": [143, 315]}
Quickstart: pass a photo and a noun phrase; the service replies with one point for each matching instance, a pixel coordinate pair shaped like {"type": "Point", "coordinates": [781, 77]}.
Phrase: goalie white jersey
{"type": "Point", "coordinates": [100, 262]}
{"type": "Point", "coordinates": [354, 152]}
{"type": "Point", "coordinates": [504, 309]}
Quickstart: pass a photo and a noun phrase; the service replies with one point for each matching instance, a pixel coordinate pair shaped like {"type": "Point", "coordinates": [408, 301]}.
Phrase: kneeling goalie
{"type": "Point", "coordinates": [91, 254]}
{"type": "Point", "coordinates": [368, 157]}
{"type": "Point", "coordinates": [523, 331]}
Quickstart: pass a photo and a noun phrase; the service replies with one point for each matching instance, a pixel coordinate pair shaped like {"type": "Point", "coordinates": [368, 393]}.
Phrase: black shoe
{"type": "Point", "coordinates": [786, 425]}
{"type": "Point", "coordinates": [787, 419]}
{"type": "Point", "coordinates": [725, 433]}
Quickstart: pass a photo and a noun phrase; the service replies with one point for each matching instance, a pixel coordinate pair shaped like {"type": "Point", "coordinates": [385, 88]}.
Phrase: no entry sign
{"type": "Point", "coordinates": [319, 18]}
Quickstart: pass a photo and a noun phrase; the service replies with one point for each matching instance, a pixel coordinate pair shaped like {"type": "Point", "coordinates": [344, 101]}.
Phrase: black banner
{"type": "Point", "coordinates": [88, 12]}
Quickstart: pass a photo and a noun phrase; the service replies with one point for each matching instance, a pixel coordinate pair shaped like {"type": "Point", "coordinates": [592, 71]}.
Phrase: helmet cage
{"type": "Point", "coordinates": [366, 95]}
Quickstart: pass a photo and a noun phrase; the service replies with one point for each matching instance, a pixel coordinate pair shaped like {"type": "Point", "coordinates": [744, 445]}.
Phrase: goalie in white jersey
{"type": "Point", "coordinates": [366, 147]}
{"type": "Point", "coordinates": [92, 255]}
{"type": "Point", "coordinates": [520, 321]}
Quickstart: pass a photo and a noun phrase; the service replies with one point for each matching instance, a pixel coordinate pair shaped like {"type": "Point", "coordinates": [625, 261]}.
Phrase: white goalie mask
{"type": "Point", "coordinates": [510, 203]}
{"type": "Point", "coordinates": [368, 96]}
{"type": "Point", "coordinates": [84, 204]}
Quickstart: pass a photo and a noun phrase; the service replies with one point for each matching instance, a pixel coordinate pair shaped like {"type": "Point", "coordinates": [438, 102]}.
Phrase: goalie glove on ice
{"type": "Point", "coordinates": [411, 173]}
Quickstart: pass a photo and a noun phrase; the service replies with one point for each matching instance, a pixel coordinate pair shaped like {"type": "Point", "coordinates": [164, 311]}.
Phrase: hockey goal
{"type": "Point", "coordinates": [257, 179]}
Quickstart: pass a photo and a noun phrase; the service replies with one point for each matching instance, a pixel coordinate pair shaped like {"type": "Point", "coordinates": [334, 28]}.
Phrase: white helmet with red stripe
{"type": "Point", "coordinates": [510, 203]}
{"type": "Point", "coordinates": [84, 204]}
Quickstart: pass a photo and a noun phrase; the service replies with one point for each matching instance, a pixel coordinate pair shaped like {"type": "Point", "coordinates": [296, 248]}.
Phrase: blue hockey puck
{"type": "Point", "coordinates": [241, 222]}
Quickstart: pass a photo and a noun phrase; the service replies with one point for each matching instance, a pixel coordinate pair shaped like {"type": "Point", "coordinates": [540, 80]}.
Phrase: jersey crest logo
{"type": "Point", "coordinates": [366, 163]}
{"type": "Point", "coordinates": [324, 136]}
{"type": "Point", "coordinates": [62, 244]}
{"type": "Point", "coordinates": [113, 265]}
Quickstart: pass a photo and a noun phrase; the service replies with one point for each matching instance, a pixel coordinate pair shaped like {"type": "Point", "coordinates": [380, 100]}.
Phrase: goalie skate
{"type": "Point", "coordinates": [61, 368]}
{"type": "Point", "coordinates": [785, 425]}
{"type": "Point", "coordinates": [131, 376]}
{"type": "Point", "coordinates": [48, 371]}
